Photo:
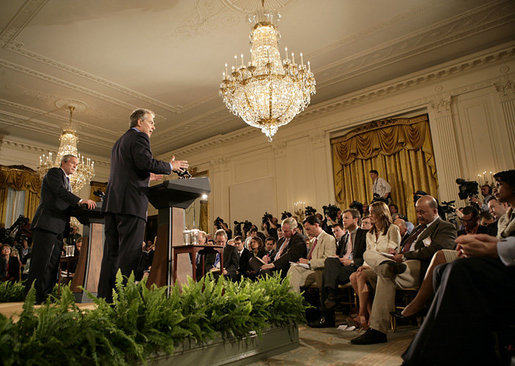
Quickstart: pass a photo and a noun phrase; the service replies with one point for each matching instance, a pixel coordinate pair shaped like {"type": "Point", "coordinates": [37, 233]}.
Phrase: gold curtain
{"type": "Point", "coordinates": [19, 178]}
{"type": "Point", "coordinates": [96, 186]}
{"type": "Point", "coordinates": [399, 149]}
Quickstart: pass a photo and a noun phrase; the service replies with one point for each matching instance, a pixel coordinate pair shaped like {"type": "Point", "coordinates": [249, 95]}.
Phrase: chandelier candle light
{"type": "Point", "coordinates": [268, 92]}
{"type": "Point", "coordinates": [68, 145]}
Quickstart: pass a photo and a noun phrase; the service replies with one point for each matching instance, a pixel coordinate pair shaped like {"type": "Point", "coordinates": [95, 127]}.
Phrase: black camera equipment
{"type": "Point", "coordinates": [99, 193]}
{"type": "Point", "coordinates": [184, 174]}
{"type": "Point", "coordinates": [447, 207]}
{"type": "Point", "coordinates": [219, 222]}
{"type": "Point", "coordinates": [467, 188]}
{"type": "Point", "coordinates": [285, 215]}
{"type": "Point", "coordinates": [310, 211]}
{"type": "Point", "coordinates": [357, 206]}
{"type": "Point", "coordinates": [266, 217]}
{"type": "Point", "coordinates": [331, 211]}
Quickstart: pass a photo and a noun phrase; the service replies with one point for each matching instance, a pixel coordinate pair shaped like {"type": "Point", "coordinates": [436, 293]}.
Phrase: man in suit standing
{"type": "Point", "coordinates": [291, 249]}
{"type": "Point", "coordinates": [302, 273]}
{"type": "Point", "coordinates": [406, 269]}
{"type": "Point", "coordinates": [126, 202]}
{"type": "Point", "coordinates": [48, 226]}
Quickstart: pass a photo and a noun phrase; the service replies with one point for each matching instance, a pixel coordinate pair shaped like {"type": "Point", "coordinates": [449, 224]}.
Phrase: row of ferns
{"type": "Point", "coordinates": [142, 322]}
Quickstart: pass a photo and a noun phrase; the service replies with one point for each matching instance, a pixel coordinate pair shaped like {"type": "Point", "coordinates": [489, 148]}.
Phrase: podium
{"type": "Point", "coordinates": [171, 198]}
{"type": "Point", "coordinates": [87, 271]}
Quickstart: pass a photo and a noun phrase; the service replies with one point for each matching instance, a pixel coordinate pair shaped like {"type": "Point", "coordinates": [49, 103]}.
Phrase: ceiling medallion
{"type": "Point", "coordinates": [267, 92]}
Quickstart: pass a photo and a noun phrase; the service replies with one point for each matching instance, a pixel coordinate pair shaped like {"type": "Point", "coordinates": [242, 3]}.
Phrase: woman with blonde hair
{"type": "Point", "coordinates": [382, 236]}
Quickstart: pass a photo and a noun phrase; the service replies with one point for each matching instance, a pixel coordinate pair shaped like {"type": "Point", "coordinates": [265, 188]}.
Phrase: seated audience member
{"type": "Point", "coordinates": [394, 209]}
{"type": "Point", "coordinates": [270, 246]}
{"type": "Point", "coordinates": [11, 264]}
{"type": "Point", "coordinates": [470, 221]}
{"type": "Point", "coordinates": [244, 256]}
{"type": "Point", "coordinates": [350, 247]}
{"type": "Point", "coordinates": [279, 232]}
{"type": "Point", "coordinates": [403, 230]}
{"type": "Point", "coordinates": [366, 223]}
{"type": "Point", "coordinates": [382, 237]}
{"type": "Point", "coordinates": [472, 308]}
{"type": "Point", "coordinates": [405, 269]}
{"type": "Point", "coordinates": [252, 233]}
{"type": "Point", "coordinates": [257, 249]}
{"type": "Point", "coordinates": [505, 194]}
{"type": "Point", "coordinates": [302, 273]}
{"type": "Point", "coordinates": [292, 248]}
{"type": "Point", "coordinates": [497, 210]}
{"type": "Point", "coordinates": [349, 255]}
{"type": "Point", "coordinates": [230, 256]}
{"type": "Point", "coordinates": [486, 218]}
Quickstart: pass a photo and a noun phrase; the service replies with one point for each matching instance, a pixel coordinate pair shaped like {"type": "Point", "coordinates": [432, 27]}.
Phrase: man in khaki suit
{"type": "Point", "coordinates": [324, 245]}
{"type": "Point", "coordinates": [406, 269]}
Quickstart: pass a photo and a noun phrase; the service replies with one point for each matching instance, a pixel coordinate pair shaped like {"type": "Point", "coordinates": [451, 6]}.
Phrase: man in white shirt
{"type": "Point", "coordinates": [381, 188]}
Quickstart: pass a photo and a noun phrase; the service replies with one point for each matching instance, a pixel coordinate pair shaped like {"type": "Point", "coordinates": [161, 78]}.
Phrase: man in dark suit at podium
{"type": "Point", "coordinates": [48, 226]}
{"type": "Point", "coordinates": [126, 202]}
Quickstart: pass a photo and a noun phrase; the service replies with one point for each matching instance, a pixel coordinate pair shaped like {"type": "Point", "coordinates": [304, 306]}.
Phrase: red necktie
{"type": "Point", "coordinates": [412, 238]}
{"type": "Point", "coordinates": [312, 248]}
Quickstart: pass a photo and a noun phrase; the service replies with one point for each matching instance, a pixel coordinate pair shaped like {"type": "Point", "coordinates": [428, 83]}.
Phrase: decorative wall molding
{"type": "Point", "coordinates": [43, 149]}
{"type": "Point", "coordinates": [450, 30]}
{"type": "Point", "coordinates": [438, 99]}
{"type": "Point", "coordinates": [25, 14]}
{"type": "Point", "coordinates": [19, 49]}
{"type": "Point", "coordinates": [98, 136]}
{"type": "Point", "coordinates": [441, 104]}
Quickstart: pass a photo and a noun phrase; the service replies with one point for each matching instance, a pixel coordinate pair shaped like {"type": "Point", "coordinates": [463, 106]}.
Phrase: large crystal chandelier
{"type": "Point", "coordinates": [268, 92]}
{"type": "Point", "coordinates": [68, 145]}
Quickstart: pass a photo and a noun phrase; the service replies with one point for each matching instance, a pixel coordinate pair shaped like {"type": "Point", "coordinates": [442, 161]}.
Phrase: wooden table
{"type": "Point", "coordinates": [193, 251]}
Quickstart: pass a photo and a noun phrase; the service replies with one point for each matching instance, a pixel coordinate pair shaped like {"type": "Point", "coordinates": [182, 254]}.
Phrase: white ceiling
{"type": "Point", "coordinates": [168, 55]}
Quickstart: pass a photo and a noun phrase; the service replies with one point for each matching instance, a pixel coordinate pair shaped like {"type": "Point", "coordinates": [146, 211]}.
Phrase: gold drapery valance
{"type": "Point", "coordinates": [19, 178]}
{"type": "Point", "coordinates": [385, 137]}
{"type": "Point", "coordinates": [400, 149]}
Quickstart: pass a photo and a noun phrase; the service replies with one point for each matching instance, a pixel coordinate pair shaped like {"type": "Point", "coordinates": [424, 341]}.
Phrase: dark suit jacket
{"type": "Point", "coordinates": [231, 261]}
{"type": "Point", "coordinates": [244, 261]}
{"type": "Point", "coordinates": [296, 249]}
{"type": "Point", "coordinates": [442, 235]}
{"type": "Point", "coordinates": [358, 248]}
{"type": "Point", "coordinates": [53, 212]}
{"type": "Point", "coordinates": [131, 165]}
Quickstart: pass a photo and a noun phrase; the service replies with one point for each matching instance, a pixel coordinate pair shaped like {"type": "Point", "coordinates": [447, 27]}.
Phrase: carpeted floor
{"type": "Point", "coordinates": [330, 346]}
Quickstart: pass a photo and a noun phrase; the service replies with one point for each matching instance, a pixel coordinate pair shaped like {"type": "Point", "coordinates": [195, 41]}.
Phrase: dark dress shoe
{"type": "Point", "coordinates": [322, 322]}
{"type": "Point", "coordinates": [371, 336]}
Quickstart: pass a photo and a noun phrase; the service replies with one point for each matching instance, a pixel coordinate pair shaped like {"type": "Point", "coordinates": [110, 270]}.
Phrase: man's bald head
{"type": "Point", "coordinates": [426, 209]}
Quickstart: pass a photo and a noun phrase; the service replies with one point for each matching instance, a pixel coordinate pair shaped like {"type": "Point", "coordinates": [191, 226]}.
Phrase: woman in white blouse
{"type": "Point", "coordinates": [382, 236]}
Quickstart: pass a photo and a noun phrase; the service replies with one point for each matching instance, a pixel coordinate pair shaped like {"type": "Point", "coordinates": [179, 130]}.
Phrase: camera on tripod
{"type": "Point", "coordinates": [467, 188]}
{"type": "Point", "coordinates": [331, 211]}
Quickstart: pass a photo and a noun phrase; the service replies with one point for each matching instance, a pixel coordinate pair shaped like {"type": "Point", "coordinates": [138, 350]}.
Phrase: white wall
{"type": "Point", "coordinates": [471, 107]}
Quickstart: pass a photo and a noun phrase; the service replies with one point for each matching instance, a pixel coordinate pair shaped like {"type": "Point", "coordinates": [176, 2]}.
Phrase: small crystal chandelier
{"type": "Point", "coordinates": [269, 92]}
{"type": "Point", "coordinates": [68, 145]}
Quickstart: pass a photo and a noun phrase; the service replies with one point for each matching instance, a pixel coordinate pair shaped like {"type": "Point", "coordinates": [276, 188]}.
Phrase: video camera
{"type": "Point", "coordinates": [285, 215]}
{"type": "Point", "coordinates": [266, 218]}
{"type": "Point", "coordinates": [247, 225]}
{"type": "Point", "coordinates": [219, 222]}
{"type": "Point", "coordinates": [331, 211]}
{"type": "Point", "coordinates": [310, 211]}
{"type": "Point", "coordinates": [467, 188]}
